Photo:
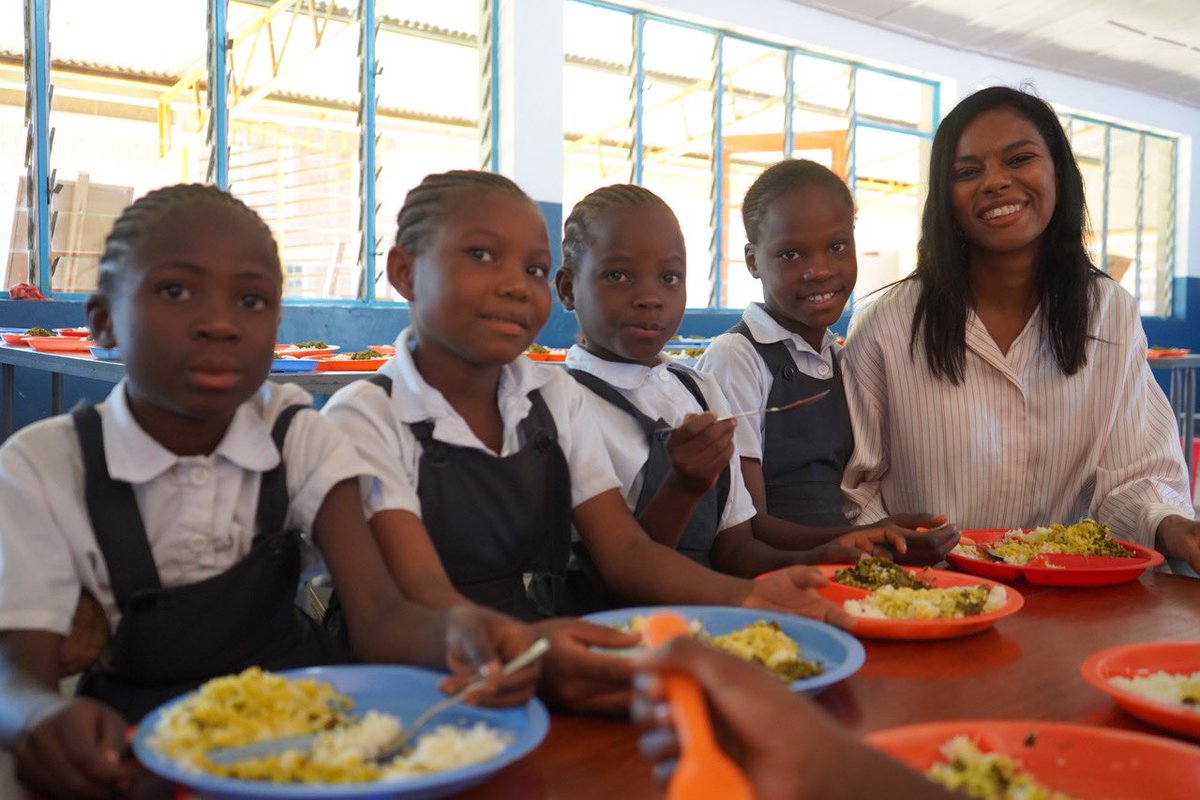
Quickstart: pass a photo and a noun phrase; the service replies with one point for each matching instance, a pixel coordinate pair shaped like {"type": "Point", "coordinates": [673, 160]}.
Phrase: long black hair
{"type": "Point", "coordinates": [1064, 275]}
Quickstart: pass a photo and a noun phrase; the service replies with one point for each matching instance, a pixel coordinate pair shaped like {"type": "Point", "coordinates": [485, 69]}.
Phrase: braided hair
{"type": "Point", "coordinates": [577, 228]}
{"type": "Point", "coordinates": [143, 214]}
{"type": "Point", "coordinates": [429, 202]}
{"type": "Point", "coordinates": [784, 176]}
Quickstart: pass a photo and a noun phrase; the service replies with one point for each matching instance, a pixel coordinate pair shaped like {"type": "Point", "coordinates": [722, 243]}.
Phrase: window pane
{"type": "Point", "coordinates": [109, 75]}
{"type": "Point", "coordinates": [14, 229]}
{"type": "Point", "coordinates": [1158, 226]}
{"type": "Point", "coordinates": [293, 139]}
{"type": "Point", "coordinates": [1123, 176]}
{"type": "Point", "coordinates": [892, 171]}
{"type": "Point", "coordinates": [677, 132]}
{"type": "Point", "coordinates": [1087, 141]}
{"type": "Point", "coordinates": [598, 100]}
{"type": "Point", "coordinates": [889, 100]}
{"type": "Point", "coordinates": [752, 137]}
{"type": "Point", "coordinates": [429, 124]}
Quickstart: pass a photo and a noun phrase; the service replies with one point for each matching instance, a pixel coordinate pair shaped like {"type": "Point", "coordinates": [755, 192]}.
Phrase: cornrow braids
{"type": "Point", "coordinates": [781, 177]}
{"type": "Point", "coordinates": [577, 228]}
{"type": "Point", "coordinates": [428, 202]}
{"type": "Point", "coordinates": [142, 214]}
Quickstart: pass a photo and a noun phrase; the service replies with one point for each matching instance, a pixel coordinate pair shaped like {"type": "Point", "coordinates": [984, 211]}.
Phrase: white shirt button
{"type": "Point", "coordinates": [199, 476]}
{"type": "Point", "coordinates": [197, 543]}
{"type": "Point", "coordinates": [823, 370]}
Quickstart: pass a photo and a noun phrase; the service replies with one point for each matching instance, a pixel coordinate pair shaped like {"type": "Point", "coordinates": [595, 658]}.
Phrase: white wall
{"type": "Point", "coordinates": [538, 122]}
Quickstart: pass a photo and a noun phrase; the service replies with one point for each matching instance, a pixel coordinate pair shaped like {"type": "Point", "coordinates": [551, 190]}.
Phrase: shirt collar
{"type": "Point", "coordinates": [620, 374]}
{"type": "Point", "coordinates": [414, 400]}
{"type": "Point", "coordinates": [134, 456]}
{"type": "Point", "coordinates": [766, 330]}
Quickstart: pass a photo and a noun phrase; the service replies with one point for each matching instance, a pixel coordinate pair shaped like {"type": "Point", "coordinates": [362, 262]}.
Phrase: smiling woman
{"type": "Point", "coordinates": [1030, 360]}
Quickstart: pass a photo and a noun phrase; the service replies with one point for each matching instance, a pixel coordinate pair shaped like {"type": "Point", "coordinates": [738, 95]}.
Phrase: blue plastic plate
{"type": "Point", "coordinates": [839, 652]}
{"type": "Point", "coordinates": [404, 691]}
{"type": "Point", "coordinates": [293, 365]}
{"type": "Point", "coordinates": [106, 353]}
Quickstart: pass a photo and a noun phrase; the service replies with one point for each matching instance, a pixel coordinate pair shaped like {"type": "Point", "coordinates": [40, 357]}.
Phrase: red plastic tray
{"type": "Point", "coordinates": [1131, 660]}
{"type": "Point", "coordinates": [1083, 761]}
{"type": "Point", "coordinates": [1057, 569]}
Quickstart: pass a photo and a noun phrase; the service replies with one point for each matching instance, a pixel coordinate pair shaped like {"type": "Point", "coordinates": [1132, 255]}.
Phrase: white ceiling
{"type": "Point", "coordinates": [1149, 45]}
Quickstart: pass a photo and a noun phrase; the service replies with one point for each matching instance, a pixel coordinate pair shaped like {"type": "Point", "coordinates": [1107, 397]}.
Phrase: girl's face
{"type": "Point", "coordinates": [805, 258]}
{"type": "Point", "coordinates": [195, 312]}
{"type": "Point", "coordinates": [477, 286]}
{"type": "Point", "coordinates": [629, 289]}
{"type": "Point", "coordinates": [1002, 184]}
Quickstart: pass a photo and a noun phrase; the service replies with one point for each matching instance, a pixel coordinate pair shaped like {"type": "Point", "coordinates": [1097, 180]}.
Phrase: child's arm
{"type": "Point", "coordinates": [384, 626]}
{"type": "Point", "coordinates": [412, 559]}
{"type": "Point", "coordinates": [775, 531]}
{"type": "Point", "coordinates": [639, 568]}
{"type": "Point", "coordinates": [737, 552]}
{"type": "Point", "coordinates": [699, 449]}
{"type": "Point", "coordinates": [70, 748]}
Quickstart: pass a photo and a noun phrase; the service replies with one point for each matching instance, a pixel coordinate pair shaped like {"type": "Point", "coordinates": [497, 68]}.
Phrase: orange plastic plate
{"type": "Point", "coordinates": [60, 344]}
{"type": "Point", "coordinates": [1131, 660]}
{"type": "Point", "coordinates": [1058, 569]}
{"type": "Point", "coordinates": [874, 628]}
{"type": "Point", "coordinates": [17, 339]}
{"type": "Point", "coordinates": [553, 355]}
{"type": "Point", "coordinates": [363, 365]}
{"type": "Point", "coordinates": [1083, 761]}
{"type": "Point", "coordinates": [301, 352]}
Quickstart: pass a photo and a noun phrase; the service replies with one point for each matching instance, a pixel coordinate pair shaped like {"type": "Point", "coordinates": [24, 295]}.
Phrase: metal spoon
{"type": "Point", "coordinates": [803, 401]}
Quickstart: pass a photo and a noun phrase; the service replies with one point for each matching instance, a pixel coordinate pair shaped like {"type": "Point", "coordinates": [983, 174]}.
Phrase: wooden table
{"type": "Point", "coordinates": [1026, 667]}
{"type": "Point", "coordinates": [82, 365]}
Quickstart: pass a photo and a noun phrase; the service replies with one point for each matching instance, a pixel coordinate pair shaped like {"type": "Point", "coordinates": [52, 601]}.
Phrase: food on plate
{"type": "Point", "coordinates": [1173, 689]}
{"type": "Point", "coordinates": [537, 348]}
{"type": "Point", "coordinates": [762, 641]}
{"type": "Point", "coordinates": [686, 352]}
{"type": "Point", "coordinates": [359, 355]}
{"type": "Point", "coordinates": [255, 705]}
{"type": "Point", "coordinates": [987, 776]}
{"type": "Point", "coordinates": [1086, 537]}
{"type": "Point", "coordinates": [39, 332]}
{"type": "Point", "coordinates": [312, 344]}
{"type": "Point", "coordinates": [949, 602]}
{"type": "Point", "coordinates": [872, 573]}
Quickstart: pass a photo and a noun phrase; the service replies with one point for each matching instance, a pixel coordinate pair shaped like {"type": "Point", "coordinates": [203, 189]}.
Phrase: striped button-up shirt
{"type": "Point", "coordinates": [1017, 443]}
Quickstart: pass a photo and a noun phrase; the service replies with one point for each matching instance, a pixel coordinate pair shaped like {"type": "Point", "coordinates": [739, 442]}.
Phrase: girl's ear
{"type": "Point", "coordinates": [400, 271]}
{"type": "Point", "coordinates": [564, 282]}
{"type": "Point", "coordinates": [751, 260]}
{"type": "Point", "coordinates": [99, 321]}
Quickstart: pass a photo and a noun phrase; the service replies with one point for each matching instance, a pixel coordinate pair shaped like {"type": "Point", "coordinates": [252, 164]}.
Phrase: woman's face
{"type": "Point", "coordinates": [1002, 184]}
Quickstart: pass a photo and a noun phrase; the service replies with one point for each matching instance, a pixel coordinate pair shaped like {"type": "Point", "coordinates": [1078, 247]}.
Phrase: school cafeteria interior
{"type": "Point", "coordinates": [322, 114]}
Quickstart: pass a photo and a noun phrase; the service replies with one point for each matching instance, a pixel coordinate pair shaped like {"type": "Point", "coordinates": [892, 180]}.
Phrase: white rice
{"type": "Point", "coordinates": [1164, 687]}
{"type": "Point", "coordinates": [892, 602]}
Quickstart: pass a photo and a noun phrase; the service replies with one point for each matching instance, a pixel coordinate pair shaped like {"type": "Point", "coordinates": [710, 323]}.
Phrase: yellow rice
{"type": "Point", "coordinates": [987, 776]}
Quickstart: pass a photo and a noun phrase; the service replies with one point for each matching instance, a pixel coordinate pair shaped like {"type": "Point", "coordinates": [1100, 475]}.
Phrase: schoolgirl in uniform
{"type": "Point", "coordinates": [176, 505]}
{"type": "Point", "coordinates": [799, 219]}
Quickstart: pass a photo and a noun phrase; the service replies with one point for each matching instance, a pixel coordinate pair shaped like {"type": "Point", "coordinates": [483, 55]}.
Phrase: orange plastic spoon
{"type": "Point", "coordinates": [704, 772]}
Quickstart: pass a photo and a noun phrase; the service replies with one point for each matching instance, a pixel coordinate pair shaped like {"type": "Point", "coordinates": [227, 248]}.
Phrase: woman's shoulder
{"type": "Point", "coordinates": [892, 304]}
{"type": "Point", "coordinates": [1115, 309]}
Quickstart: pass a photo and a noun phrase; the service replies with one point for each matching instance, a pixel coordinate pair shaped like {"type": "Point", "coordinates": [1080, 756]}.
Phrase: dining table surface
{"type": "Point", "coordinates": [1025, 667]}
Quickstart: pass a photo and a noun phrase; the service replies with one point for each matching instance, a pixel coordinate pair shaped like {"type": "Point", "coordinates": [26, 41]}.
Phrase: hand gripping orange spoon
{"type": "Point", "coordinates": [704, 772]}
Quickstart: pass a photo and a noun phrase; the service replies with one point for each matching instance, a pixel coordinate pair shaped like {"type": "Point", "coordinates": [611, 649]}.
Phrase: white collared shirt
{"type": "Point", "coordinates": [745, 377]}
{"type": "Point", "coordinates": [1017, 443]}
{"type": "Point", "coordinates": [659, 395]}
{"type": "Point", "coordinates": [380, 426]}
{"type": "Point", "coordinates": [198, 511]}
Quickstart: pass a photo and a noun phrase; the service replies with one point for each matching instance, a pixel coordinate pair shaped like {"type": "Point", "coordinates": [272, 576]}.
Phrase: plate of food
{"type": "Point", "coordinates": [283, 363]}
{"type": "Point", "coordinates": [367, 360]}
{"type": "Point", "coordinates": [79, 333]}
{"type": "Point", "coordinates": [312, 347]}
{"type": "Point", "coordinates": [1158, 682]}
{"type": "Point", "coordinates": [539, 352]}
{"type": "Point", "coordinates": [810, 655]}
{"type": "Point", "coordinates": [1158, 351]}
{"type": "Point", "coordinates": [355, 709]}
{"type": "Point", "coordinates": [893, 602]}
{"type": "Point", "coordinates": [59, 344]}
{"type": "Point", "coordinates": [1082, 554]}
{"type": "Point", "coordinates": [1054, 760]}
{"type": "Point", "coordinates": [20, 336]}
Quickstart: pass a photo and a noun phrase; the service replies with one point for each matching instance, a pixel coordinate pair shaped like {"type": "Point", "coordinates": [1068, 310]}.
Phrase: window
{"type": "Point", "coordinates": [319, 123]}
{"type": "Point", "coordinates": [695, 114]}
{"type": "Point", "coordinates": [14, 228]}
{"type": "Point", "coordinates": [1130, 187]}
